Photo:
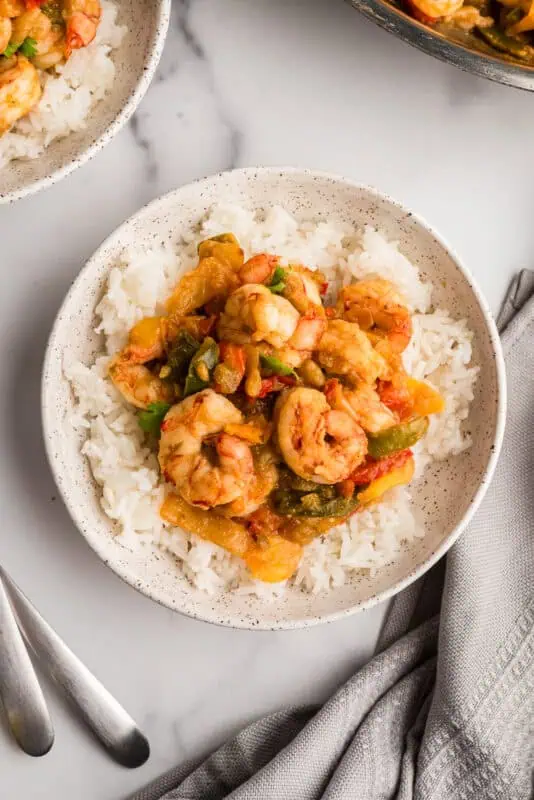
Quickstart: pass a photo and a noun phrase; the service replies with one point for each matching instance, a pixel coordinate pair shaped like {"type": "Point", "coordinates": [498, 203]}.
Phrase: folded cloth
{"type": "Point", "coordinates": [446, 711]}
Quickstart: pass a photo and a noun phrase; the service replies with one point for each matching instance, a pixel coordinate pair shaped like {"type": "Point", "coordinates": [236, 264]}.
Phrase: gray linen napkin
{"type": "Point", "coordinates": [447, 710]}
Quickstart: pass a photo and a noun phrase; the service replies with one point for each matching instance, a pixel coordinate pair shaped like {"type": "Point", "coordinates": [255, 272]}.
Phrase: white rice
{"type": "Point", "coordinates": [127, 470]}
{"type": "Point", "coordinates": [69, 93]}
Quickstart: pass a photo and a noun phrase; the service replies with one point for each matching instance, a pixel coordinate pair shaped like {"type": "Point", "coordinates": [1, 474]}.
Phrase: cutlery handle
{"type": "Point", "coordinates": [103, 714]}
{"type": "Point", "coordinates": [23, 700]}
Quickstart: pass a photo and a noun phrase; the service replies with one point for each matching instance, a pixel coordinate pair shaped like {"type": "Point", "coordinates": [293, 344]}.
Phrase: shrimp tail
{"type": "Point", "coordinates": [81, 30]}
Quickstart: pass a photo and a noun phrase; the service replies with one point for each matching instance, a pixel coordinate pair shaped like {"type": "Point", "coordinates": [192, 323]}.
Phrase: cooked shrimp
{"type": "Point", "coordinates": [317, 442]}
{"type": "Point", "coordinates": [137, 384]}
{"type": "Point", "coordinates": [254, 314]}
{"type": "Point", "coordinates": [82, 18]}
{"type": "Point", "coordinates": [36, 25]}
{"type": "Point", "coordinates": [302, 291]}
{"type": "Point", "coordinates": [431, 10]}
{"type": "Point", "coordinates": [363, 404]}
{"type": "Point", "coordinates": [6, 28]}
{"type": "Point", "coordinates": [344, 349]}
{"type": "Point", "coordinates": [20, 91]}
{"type": "Point", "coordinates": [304, 341]}
{"type": "Point", "coordinates": [11, 8]}
{"type": "Point", "coordinates": [377, 307]}
{"type": "Point", "coordinates": [182, 455]}
{"type": "Point", "coordinates": [301, 288]}
{"type": "Point", "coordinates": [309, 330]}
{"type": "Point", "coordinates": [47, 35]}
{"type": "Point", "coordinates": [258, 269]}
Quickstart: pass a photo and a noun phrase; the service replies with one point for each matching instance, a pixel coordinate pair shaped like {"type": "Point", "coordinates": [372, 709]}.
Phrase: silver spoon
{"type": "Point", "coordinates": [103, 714]}
{"type": "Point", "coordinates": [20, 691]}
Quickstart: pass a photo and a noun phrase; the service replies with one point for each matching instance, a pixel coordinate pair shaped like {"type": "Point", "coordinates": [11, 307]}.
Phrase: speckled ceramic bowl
{"type": "Point", "coordinates": [451, 490]}
{"type": "Point", "coordinates": [135, 61]}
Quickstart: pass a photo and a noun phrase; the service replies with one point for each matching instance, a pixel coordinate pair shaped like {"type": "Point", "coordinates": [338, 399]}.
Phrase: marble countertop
{"type": "Point", "coordinates": [242, 82]}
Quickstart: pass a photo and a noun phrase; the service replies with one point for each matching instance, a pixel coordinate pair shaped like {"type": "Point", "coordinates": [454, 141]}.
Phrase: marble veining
{"type": "Point", "coordinates": [295, 82]}
{"type": "Point", "coordinates": [186, 57]}
{"type": "Point", "coordinates": [184, 26]}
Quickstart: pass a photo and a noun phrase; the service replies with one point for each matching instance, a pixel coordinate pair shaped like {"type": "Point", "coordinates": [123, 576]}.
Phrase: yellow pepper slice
{"type": "Point", "coordinates": [426, 399]}
{"type": "Point", "coordinates": [273, 559]}
{"type": "Point", "coordinates": [227, 533]}
{"type": "Point", "coordinates": [250, 432]}
{"type": "Point", "coordinates": [397, 477]}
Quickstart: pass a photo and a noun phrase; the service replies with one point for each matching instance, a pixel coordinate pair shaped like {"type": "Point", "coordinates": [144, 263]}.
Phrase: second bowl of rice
{"type": "Point", "coordinates": [87, 100]}
{"type": "Point", "coordinates": [109, 477]}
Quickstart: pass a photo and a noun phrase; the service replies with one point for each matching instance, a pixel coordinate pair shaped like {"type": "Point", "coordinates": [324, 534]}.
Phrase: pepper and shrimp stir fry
{"type": "Point", "coordinates": [275, 416]}
{"type": "Point", "coordinates": [37, 35]}
{"type": "Point", "coordinates": [504, 25]}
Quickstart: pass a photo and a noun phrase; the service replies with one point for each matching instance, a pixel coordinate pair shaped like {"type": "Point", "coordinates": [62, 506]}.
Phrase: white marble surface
{"type": "Point", "coordinates": [242, 82]}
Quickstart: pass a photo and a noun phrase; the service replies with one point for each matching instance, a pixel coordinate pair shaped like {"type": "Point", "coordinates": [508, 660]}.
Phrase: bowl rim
{"type": "Point", "coordinates": [121, 118]}
{"type": "Point", "coordinates": [210, 615]}
{"type": "Point", "coordinates": [400, 24]}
